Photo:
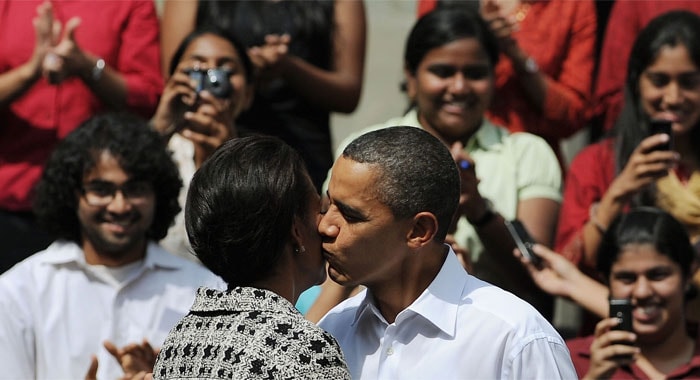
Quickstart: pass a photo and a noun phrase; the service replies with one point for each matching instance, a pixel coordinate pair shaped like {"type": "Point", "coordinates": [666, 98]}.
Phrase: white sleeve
{"type": "Point", "coordinates": [544, 357]}
{"type": "Point", "coordinates": [16, 334]}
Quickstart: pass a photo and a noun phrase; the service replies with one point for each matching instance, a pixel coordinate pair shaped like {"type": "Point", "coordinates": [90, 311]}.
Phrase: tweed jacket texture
{"type": "Point", "coordinates": [248, 333]}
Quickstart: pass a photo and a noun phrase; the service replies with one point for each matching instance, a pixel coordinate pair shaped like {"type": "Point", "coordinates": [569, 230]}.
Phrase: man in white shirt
{"type": "Point", "coordinates": [393, 194]}
{"type": "Point", "coordinates": [108, 194]}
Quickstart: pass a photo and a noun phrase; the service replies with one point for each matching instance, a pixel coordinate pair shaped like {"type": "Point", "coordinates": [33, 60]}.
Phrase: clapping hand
{"type": "Point", "coordinates": [136, 360]}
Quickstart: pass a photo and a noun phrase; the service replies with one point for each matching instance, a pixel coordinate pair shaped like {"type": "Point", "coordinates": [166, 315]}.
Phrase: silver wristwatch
{"type": "Point", "coordinates": [98, 69]}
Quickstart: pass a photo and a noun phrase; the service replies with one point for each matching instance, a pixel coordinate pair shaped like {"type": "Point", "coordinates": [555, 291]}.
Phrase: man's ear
{"type": "Point", "coordinates": [423, 230]}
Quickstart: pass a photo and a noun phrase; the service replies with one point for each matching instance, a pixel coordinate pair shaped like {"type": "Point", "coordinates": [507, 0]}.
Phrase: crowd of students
{"type": "Point", "coordinates": [94, 137]}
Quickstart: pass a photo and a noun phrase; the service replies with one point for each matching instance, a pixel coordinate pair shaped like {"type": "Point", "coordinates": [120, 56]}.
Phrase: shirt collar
{"type": "Point", "coordinates": [66, 252]}
{"type": "Point", "coordinates": [438, 304]}
{"type": "Point", "coordinates": [487, 137]}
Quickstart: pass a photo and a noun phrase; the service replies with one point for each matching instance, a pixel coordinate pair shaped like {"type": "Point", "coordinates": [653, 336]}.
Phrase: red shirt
{"type": "Point", "coordinates": [560, 36]}
{"type": "Point", "coordinates": [588, 178]}
{"type": "Point", "coordinates": [122, 32]}
{"type": "Point", "coordinates": [580, 349]}
{"type": "Point", "coordinates": [627, 19]}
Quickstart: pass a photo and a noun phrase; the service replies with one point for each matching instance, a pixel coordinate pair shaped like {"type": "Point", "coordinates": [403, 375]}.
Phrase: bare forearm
{"type": "Point", "coordinates": [337, 89]}
{"type": "Point", "coordinates": [601, 215]}
{"type": "Point", "coordinates": [178, 20]}
{"type": "Point", "coordinates": [110, 87]}
{"type": "Point", "coordinates": [332, 91]}
{"type": "Point", "coordinates": [498, 244]}
{"type": "Point", "coordinates": [589, 293]}
{"type": "Point", "coordinates": [16, 82]}
{"type": "Point", "coordinates": [532, 80]}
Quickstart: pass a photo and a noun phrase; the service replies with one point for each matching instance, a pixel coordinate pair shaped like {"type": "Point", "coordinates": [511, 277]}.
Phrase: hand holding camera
{"type": "Point", "coordinates": [196, 103]}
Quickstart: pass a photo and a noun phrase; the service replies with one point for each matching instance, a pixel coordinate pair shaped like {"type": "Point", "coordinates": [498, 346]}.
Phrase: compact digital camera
{"type": "Point", "coordinates": [215, 81]}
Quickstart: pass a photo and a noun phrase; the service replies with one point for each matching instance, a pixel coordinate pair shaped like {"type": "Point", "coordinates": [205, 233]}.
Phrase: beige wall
{"type": "Point", "coordinates": [388, 23]}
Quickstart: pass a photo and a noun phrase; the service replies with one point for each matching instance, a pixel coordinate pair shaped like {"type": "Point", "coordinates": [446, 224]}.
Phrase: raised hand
{"type": "Point", "coordinates": [266, 58]}
{"type": "Point", "coordinates": [607, 351]}
{"type": "Point", "coordinates": [135, 359]}
{"type": "Point", "coordinates": [178, 97]}
{"type": "Point", "coordinates": [644, 166]}
{"type": "Point", "coordinates": [500, 24]}
{"type": "Point", "coordinates": [471, 204]}
{"type": "Point", "coordinates": [66, 59]}
{"type": "Point", "coordinates": [44, 31]}
{"type": "Point", "coordinates": [209, 126]}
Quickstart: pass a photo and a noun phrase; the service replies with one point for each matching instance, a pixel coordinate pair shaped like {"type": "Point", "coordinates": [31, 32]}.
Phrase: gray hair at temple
{"type": "Point", "coordinates": [417, 172]}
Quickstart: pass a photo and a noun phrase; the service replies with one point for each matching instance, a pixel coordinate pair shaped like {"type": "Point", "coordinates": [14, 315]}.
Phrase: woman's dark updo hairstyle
{"type": "Point", "coordinates": [445, 25]}
{"type": "Point", "coordinates": [241, 206]}
{"type": "Point", "coordinates": [646, 225]}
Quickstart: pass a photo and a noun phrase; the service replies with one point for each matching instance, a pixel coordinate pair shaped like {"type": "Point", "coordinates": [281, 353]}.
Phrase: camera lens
{"type": "Point", "coordinates": [218, 83]}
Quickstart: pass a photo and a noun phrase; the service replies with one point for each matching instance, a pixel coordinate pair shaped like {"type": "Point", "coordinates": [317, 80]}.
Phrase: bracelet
{"type": "Point", "coordinates": [486, 218]}
{"type": "Point", "coordinates": [592, 218]}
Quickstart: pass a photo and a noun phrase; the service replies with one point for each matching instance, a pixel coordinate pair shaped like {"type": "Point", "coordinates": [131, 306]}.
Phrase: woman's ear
{"type": "Point", "coordinates": [410, 84]}
{"type": "Point", "coordinates": [296, 234]}
{"type": "Point", "coordinates": [423, 230]}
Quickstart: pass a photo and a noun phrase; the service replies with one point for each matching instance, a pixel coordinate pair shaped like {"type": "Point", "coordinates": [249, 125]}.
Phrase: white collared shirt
{"type": "Point", "coordinates": [55, 312]}
{"type": "Point", "coordinates": [459, 328]}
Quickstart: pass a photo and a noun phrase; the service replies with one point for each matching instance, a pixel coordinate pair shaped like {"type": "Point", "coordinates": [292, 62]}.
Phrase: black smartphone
{"type": "Point", "coordinates": [658, 126]}
{"type": "Point", "coordinates": [523, 241]}
{"type": "Point", "coordinates": [622, 310]}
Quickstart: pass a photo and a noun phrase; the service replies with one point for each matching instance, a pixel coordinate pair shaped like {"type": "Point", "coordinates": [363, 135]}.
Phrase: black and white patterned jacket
{"type": "Point", "coordinates": [248, 333]}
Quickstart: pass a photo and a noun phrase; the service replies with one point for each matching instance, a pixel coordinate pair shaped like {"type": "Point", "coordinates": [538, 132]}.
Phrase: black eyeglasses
{"type": "Point", "coordinates": [100, 193]}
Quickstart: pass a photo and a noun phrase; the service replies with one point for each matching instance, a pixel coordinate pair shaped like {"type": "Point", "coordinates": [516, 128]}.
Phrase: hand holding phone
{"type": "Point", "coordinates": [523, 241]}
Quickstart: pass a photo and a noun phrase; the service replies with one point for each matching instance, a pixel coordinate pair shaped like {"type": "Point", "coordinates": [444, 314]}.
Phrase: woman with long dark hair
{"type": "Point", "coordinates": [636, 166]}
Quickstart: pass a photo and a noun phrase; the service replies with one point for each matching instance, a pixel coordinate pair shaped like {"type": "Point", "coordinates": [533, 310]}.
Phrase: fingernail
{"type": "Point", "coordinates": [464, 164]}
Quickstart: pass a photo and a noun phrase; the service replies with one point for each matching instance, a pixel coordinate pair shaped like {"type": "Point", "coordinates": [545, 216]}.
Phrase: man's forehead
{"type": "Point", "coordinates": [353, 181]}
{"type": "Point", "coordinates": [349, 173]}
{"type": "Point", "coordinates": [106, 164]}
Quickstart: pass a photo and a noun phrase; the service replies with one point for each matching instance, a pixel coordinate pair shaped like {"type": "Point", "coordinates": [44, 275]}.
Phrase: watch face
{"type": "Point", "coordinates": [98, 69]}
{"type": "Point", "coordinates": [531, 66]}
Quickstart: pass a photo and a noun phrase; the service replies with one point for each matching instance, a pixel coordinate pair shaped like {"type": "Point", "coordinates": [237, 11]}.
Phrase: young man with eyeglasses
{"type": "Point", "coordinates": [108, 194]}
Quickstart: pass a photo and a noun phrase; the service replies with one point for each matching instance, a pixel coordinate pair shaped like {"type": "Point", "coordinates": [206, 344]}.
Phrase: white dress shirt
{"type": "Point", "coordinates": [459, 328]}
{"type": "Point", "coordinates": [56, 310]}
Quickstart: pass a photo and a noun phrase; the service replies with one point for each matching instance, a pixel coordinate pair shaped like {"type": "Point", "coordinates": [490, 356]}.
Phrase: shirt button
{"type": "Point", "coordinates": [390, 351]}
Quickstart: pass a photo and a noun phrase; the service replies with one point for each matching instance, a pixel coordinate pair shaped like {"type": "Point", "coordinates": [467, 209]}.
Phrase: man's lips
{"type": "Point", "coordinates": [118, 225]}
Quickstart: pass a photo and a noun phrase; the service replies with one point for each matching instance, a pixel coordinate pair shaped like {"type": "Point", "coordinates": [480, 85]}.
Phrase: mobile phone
{"type": "Point", "coordinates": [657, 126]}
{"type": "Point", "coordinates": [621, 308]}
{"type": "Point", "coordinates": [523, 241]}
